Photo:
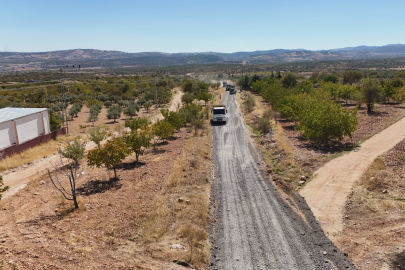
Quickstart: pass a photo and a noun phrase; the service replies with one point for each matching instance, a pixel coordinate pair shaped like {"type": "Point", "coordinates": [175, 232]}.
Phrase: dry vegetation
{"type": "Point", "coordinates": [277, 151]}
{"type": "Point", "coordinates": [374, 231]}
{"type": "Point", "coordinates": [34, 154]}
{"type": "Point", "coordinates": [125, 224]}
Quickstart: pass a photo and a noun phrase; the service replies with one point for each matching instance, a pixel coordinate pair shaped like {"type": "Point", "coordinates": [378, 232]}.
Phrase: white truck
{"type": "Point", "coordinates": [232, 89]}
{"type": "Point", "coordinates": [219, 113]}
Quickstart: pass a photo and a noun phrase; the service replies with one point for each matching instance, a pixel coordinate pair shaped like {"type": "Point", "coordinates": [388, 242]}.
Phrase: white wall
{"type": "Point", "coordinates": [7, 137]}
{"type": "Point", "coordinates": [46, 122]}
{"type": "Point", "coordinates": [29, 127]}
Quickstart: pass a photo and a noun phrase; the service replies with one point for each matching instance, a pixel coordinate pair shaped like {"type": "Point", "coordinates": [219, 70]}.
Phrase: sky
{"type": "Point", "coordinates": [198, 26]}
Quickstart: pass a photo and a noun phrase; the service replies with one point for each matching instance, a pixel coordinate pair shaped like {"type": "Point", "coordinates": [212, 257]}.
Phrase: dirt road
{"type": "Point", "coordinates": [256, 228]}
{"type": "Point", "coordinates": [327, 193]}
{"type": "Point", "coordinates": [19, 179]}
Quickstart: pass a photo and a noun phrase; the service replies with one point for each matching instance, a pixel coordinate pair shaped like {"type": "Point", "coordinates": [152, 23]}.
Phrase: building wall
{"type": "Point", "coordinates": [29, 127]}
{"type": "Point", "coordinates": [45, 118]}
{"type": "Point", "coordinates": [7, 137]}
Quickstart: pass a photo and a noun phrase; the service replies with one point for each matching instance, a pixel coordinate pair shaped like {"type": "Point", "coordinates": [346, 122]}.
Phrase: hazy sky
{"type": "Point", "coordinates": [198, 26]}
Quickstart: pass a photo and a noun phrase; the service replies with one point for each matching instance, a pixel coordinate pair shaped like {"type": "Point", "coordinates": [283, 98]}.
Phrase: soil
{"type": "Point", "coordinates": [327, 193]}
{"type": "Point", "coordinates": [39, 229]}
{"type": "Point", "coordinates": [374, 219]}
{"type": "Point", "coordinates": [256, 226]}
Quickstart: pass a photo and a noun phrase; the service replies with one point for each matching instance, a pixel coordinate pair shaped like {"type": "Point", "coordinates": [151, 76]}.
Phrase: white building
{"type": "Point", "coordinates": [19, 125]}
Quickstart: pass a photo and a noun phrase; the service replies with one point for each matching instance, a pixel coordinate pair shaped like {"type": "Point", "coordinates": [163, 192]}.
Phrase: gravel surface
{"type": "Point", "coordinates": [256, 228]}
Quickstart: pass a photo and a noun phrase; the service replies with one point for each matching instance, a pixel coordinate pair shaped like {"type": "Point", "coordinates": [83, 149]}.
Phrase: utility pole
{"type": "Point", "coordinates": [63, 100]}
{"type": "Point", "coordinates": [154, 80]}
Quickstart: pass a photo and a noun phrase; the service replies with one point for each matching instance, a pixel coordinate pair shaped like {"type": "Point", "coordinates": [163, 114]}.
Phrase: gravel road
{"type": "Point", "coordinates": [256, 228]}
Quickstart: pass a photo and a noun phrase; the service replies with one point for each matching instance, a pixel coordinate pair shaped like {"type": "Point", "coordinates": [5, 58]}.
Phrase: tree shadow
{"type": "Point", "coordinates": [398, 262]}
{"type": "Point", "coordinates": [132, 165]}
{"type": "Point", "coordinates": [98, 186]}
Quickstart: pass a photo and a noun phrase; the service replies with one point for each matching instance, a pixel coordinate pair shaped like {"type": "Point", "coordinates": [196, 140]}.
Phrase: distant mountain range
{"type": "Point", "coordinates": [98, 58]}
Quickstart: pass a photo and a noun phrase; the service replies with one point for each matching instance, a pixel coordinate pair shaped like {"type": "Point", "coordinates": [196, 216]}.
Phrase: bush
{"type": "Point", "coordinates": [264, 125]}
{"type": "Point", "coordinates": [250, 103]}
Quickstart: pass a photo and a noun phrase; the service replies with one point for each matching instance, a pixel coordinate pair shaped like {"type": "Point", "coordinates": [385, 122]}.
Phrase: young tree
{"type": "Point", "coordinates": [114, 112]}
{"type": "Point", "coordinates": [138, 141]}
{"type": "Point", "coordinates": [94, 112]}
{"type": "Point", "coordinates": [197, 123]}
{"type": "Point", "coordinates": [137, 123]}
{"type": "Point", "coordinates": [147, 105]}
{"type": "Point", "coordinates": [371, 93]}
{"type": "Point", "coordinates": [2, 187]}
{"type": "Point", "coordinates": [65, 176]}
{"type": "Point", "coordinates": [110, 156]}
{"type": "Point", "coordinates": [162, 129]}
{"type": "Point", "coordinates": [97, 135]}
{"type": "Point", "coordinates": [173, 118]}
{"type": "Point", "coordinates": [205, 96]}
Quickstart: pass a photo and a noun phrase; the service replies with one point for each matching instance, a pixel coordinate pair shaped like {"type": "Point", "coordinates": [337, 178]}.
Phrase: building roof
{"type": "Point", "coordinates": [8, 113]}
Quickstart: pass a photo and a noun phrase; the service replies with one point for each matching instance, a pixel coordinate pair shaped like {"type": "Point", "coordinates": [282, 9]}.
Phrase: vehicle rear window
{"type": "Point", "coordinates": [219, 111]}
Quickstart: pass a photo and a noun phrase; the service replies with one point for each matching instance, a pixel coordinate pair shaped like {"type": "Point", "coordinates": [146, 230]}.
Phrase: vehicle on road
{"type": "Point", "coordinates": [219, 113]}
{"type": "Point", "coordinates": [224, 84]}
{"type": "Point", "coordinates": [228, 87]}
{"type": "Point", "coordinates": [232, 89]}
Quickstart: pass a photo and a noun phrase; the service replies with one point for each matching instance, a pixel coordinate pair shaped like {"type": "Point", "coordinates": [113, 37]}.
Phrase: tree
{"type": "Point", "coordinates": [331, 78]}
{"type": "Point", "coordinates": [75, 109]}
{"type": "Point", "coordinates": [138, 141]}
{"type": "Point", "coordinates": [55, 121]}
{"type": "Point", "coordinates": [371, 93]}
{"type": "Point", "coordinates": [137, 123]}
{"type": "Point", "coordinates": [114, 112]}
{"type": "Point", "coordinates": [289, 80]}
{"type": "Point", "coordinates": [97, 135]}
{"type": "Point", "coordinates": [322, 119]}
{"type": "Point", "coordinates": [147, 105]}
{"type": "Point", "coordinates": [132, 109]}
{"type": "Point", "coordinates": [95, 110]}
{"type": "Point", "coordinates": [197, 123]}
{"type": "Point", "coordinates": [110, 156]}
{"type": "Point", "coordinates": [352, 76]}
{"type": "Point", "coordinates": [65, 176]}
{"type": "Point", "coordinates": [162, 129]}
{"type": "Point", "coordinates": [2, 187]}
{"type": "Point", "coordinates": [188, 86]}
{"type": "Point", "coordinates": [205, 96]}
{"type": "Point", "coordinates": [173, 118]}
{"type": "Point", "coordinates": [188, 98]}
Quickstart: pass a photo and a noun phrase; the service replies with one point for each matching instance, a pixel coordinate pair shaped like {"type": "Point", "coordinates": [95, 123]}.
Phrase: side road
{"type": "Point", "coordinates": [19, 179]}
{"type": "Point", "coordinates": [327, 193]}
{"type": "Point", "coordinates": [255, 227]}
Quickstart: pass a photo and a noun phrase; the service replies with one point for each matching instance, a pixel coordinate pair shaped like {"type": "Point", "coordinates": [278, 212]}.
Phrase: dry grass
{"type": "Point", "coordinates": [280, 160]}
{"type": "Point", "coordinates": [35, 153]}
{"type": "Point", "coordinates": [182, 211]}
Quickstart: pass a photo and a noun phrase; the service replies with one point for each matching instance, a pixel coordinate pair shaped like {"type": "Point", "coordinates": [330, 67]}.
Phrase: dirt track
{"type": "Point", "coordinates": [256, 228]}
{"type": "Point", "coordinates": [327, 193]}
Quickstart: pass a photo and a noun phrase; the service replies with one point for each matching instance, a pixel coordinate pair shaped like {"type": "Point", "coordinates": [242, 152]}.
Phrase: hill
{"type": "Point", "coordinates": [89, 58]}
